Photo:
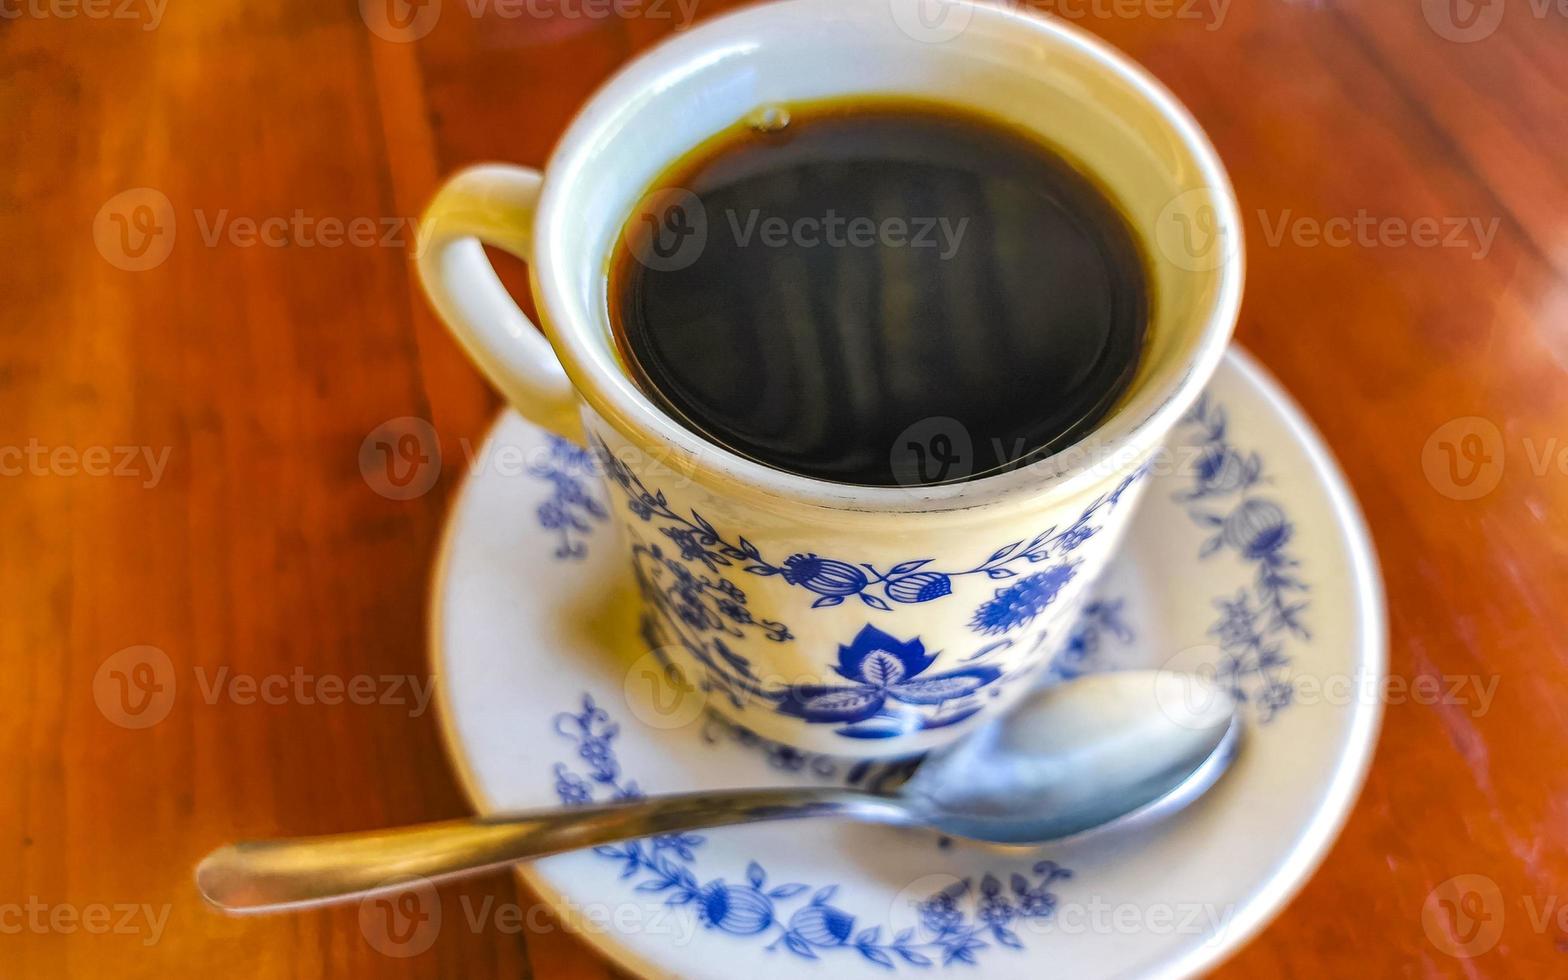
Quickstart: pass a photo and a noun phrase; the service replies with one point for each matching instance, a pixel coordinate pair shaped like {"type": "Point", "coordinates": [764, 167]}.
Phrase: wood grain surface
{"type": "Point", "coordinates": [185, 388]}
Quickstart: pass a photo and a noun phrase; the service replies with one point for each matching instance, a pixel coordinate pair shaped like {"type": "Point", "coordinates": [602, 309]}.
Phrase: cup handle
{"type": "Point", "coordinates": [494, 204]}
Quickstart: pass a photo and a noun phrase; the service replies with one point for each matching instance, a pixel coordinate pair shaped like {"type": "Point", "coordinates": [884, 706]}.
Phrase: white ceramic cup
{"type": "Point", "coordinates": [863, 621]}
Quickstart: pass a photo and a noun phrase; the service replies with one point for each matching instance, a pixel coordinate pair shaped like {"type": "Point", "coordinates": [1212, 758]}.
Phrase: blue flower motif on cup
{"type": "Point", "coordinates": [702, 610]}
{"type": "Point", "coordinates": [957, 924]}
{"type": "Point", "coordinates": [696, 611]}
{"type": "Point", "coordinates": [883, 669]}
{"type": "Point", "coordinates": [1257, 622]}
{"type": "Point", "coordinates": [835, 580]}
{"type": "Point", "coordinates": [919, 587]}
{"type": "Point", "coordinates": [827, 577]}
{"type": "Point", "coordinates": [1018, 604]}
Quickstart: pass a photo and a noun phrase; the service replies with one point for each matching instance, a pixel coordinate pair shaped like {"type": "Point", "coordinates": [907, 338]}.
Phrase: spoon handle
{"type": "Point", "coordinates": [265, 876]}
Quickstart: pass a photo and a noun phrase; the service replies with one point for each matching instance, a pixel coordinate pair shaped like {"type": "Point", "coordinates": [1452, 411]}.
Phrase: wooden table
{"type": "Point", "coordinates": [181, 417]}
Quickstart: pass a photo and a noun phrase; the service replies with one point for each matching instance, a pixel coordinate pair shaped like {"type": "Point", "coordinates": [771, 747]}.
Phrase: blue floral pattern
{"type": "Point", "coordinates": [1100, 618]}
{"type": "Point", "coordinates": [682, 568]}
{"type": "Point", "coordinates": [870, 774]}
{"type": "Point", "coordinates": [883, 670]}
{"type": "Point", "coordinates": [1018, 604]}
{"type": "Point", "coordinates": [956, 924]}
{"type": "Point", "coordinates": [1259, 620]}
{"type": "Point", "coordinates": [701, 612]}
{"type": "Point", "coordinates": [572, 509]}
{"type": "Point", "coordinates": [682, 574]}
{"type": "Point", "coordinates": [889, 693]}
{"type": "Point", "coordinates": [834, 580]}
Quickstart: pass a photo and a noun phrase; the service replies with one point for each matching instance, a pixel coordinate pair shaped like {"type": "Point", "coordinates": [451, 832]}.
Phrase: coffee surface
{"type": "Point", "coordinates": [880, 293]}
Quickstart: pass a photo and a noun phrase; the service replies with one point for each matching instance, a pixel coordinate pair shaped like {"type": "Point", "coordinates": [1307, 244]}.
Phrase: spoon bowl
{"type": "Point", "coordinates": [1105, 750]}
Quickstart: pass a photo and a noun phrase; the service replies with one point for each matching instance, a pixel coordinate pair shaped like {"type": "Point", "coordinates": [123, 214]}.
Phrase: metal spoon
{"type": "Point", "coordinates": [1108, 750]}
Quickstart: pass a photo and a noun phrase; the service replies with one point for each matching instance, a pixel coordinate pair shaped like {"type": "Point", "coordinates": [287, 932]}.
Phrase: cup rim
{"type": "Point", "coordinates": [606, 388]}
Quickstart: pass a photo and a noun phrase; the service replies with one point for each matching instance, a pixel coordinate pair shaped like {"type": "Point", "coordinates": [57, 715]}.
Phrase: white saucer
{"type": "Point", "coordinates": [534, 632]}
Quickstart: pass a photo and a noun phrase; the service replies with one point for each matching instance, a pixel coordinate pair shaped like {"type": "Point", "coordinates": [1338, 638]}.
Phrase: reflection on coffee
{"type": "Point", "coordinates": [821, 285]}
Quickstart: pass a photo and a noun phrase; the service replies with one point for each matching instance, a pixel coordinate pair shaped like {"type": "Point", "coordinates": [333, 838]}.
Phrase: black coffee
{"type": "Point", "coordinates": [880, 293]}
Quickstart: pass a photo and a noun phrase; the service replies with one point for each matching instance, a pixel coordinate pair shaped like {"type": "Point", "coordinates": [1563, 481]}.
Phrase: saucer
{"type": "Point", "coordinates": [1248, 560]}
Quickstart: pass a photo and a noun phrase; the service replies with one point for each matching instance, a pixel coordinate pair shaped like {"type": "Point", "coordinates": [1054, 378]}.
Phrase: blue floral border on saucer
{"type": "Point", "coordinates": [956, 923]}
{"type": "Point", "coordinates": [1258, 621]}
